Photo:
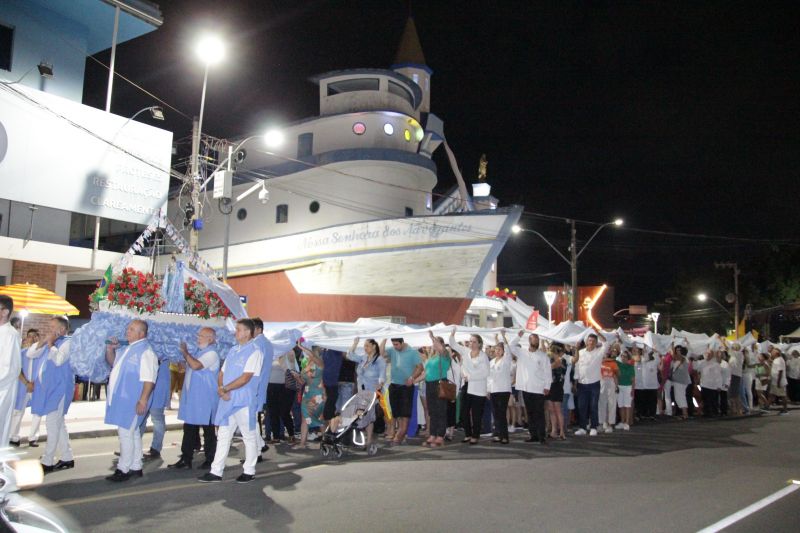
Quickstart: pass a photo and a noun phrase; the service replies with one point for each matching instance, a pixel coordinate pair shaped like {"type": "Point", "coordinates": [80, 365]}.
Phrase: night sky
{"type": "Point", "coordinates": [677, 116]}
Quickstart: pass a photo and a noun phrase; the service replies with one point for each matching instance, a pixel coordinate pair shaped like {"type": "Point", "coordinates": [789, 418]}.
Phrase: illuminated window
{"type": "Point", "coordinates": [415, 77]}
{"type": "Point", "coordinates": [420, 134]}
{"type": "Point", "coordinates": [6, 42]}
{"type": "Point", "coordinates": [359, 128]}
{"type": "Point", "coordinates": [388, 129]}
{"type": "Point", "coordinates": [282, 213]}
{"type": "Point", "coordinates": [407, 135]}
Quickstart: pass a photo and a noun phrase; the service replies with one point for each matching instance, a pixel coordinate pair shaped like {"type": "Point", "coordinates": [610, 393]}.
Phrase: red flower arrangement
{"type": "Point", "coordinates": [502, 294]}
{"type": "Point", "coordinates": [202, 302]}
{"type": "Point", "coordinates": [133, 290]}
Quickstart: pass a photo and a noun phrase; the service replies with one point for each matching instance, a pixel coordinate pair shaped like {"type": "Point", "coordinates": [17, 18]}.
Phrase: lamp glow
{"type": "Point", "coordinates": [274, 138]}
{"type": "Point", "coordinates": [516, 228]}
{"type": "Point", "coordinates": [702, 297]}
{"type": "Point", "coordinates": [211, 50]}
{"type": "Point", "coordinates": [619, 222]}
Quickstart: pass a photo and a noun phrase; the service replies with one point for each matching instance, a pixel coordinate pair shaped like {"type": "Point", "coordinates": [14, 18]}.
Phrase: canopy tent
{"type": "Point", "coordinates": [793, 335]}
{"type": "Point", "coordinates": [31, 299]}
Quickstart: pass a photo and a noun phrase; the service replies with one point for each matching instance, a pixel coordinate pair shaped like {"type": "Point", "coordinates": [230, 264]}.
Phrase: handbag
{"type": "Point", "coordinates": [290, 381]}
{"type": "Point", "coordinates": [447, 389]}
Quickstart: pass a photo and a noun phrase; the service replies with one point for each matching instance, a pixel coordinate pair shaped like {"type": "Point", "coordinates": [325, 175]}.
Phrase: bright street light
{"type": "Point", "coordinates": [572, 261]}
{"type": "Point", "coordinates": [210, 50]}
{"type": "Point", "coordinates": [702, 297]}
{"type": "Point", "coordinates": [654, 315]}
{"type": "Point", "coordinates": [274, 138]}
{"type": "Point", "coordinates": [550, 298]}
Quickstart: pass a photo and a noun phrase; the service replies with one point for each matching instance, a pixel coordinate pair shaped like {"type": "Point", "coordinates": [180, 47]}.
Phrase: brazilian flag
{"type": "Point", "coordinates": [101, 293]}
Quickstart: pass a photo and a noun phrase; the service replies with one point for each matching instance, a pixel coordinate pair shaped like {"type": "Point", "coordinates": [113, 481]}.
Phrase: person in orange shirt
{"type": "Point", "coordinates": [609, 386]}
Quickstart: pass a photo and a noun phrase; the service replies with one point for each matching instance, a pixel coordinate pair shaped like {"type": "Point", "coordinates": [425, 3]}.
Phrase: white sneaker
{"type": "Point", "coordinates": [620, 426]}
{"type": "Point", "coordinates": [605, 426]}
{"type": "Point", "coordinates": [593, 433]}
{"type": "Point", "coordinates": [626, 427]}
{"type": "Point", "coordinates": [608, 429]}
{"type": "Point", "coordinates": [582, 432]}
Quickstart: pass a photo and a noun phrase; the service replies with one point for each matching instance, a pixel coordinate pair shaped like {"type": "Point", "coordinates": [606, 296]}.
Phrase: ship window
{"type": "Point", "coordinates": [313, 206]}
{"type": "Point", "coordinates": [415, 77]}
{"type": "Point", "coordinates": [388, 129]}
{"type": "Point", "coordinates": [305, 144]}
{"type": "Point", "coordinates": [348, 86]}
{"type": "Point", "coordinates": [407, 135]}
{"type": "Point", "coordinates": [359, 128]}
{"type": "Point", "coordinates": [409, 212]}
{"type": "Point", "coordinates": [398, 90]}
{"type": "Point", "coordinates": [282, 213]}
{"type": "Point", "coordinates": [6, 40]}
{"type": "Point", "coordinates": [241, 214]}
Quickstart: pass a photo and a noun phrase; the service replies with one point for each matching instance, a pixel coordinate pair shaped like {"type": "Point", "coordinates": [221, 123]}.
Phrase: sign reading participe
{"type": "Point", "coordinates": [59, 153]}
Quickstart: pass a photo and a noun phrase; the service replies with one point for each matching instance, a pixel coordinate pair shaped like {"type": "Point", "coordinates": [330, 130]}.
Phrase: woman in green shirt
{"type": "Point", "coordinates": [626, 386]}
{"type": "Point", "coordinates": [436, 368]}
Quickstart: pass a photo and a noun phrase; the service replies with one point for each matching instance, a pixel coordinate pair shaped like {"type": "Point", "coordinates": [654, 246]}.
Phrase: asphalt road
{"type": "Point", "coordinates": [667, 476]}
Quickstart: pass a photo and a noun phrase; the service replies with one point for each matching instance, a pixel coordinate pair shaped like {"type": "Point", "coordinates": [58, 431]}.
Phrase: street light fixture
{"type": "Point", "coordinates": [654, 315]}
{"type": "Point", "coordinates": [574, 253]}
{"type": "Point", "coordinates": [703, 297]}
{"type": "Point", "coordinates": [210, 50]}
{"type": "Point", "coordinates": [550, 298]}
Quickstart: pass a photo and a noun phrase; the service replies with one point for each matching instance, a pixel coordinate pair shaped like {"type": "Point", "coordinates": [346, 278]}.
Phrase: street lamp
{"type": "Point", "coordinates": [210, 50]}
{"type": "Point", "coordinates": [272, 138]}
{"type": "Point", "coordinates": [703, 297]}
{"type": "Point", "coordinates": [654, 315]}
{"type": "Point", "coordinates": [23, 315]}
{"type": "Point", "coordinates": [550, 297]}
{"type": "Point", "coordinates": [574, 253]}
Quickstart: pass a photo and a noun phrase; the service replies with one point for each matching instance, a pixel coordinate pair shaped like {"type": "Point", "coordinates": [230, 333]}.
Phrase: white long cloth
{"type": "Point", "coordinates": [10, 366]}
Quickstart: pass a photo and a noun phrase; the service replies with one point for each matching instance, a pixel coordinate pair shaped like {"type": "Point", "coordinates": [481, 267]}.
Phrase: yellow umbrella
{"type": "Point", "coordinates": [34, 299]}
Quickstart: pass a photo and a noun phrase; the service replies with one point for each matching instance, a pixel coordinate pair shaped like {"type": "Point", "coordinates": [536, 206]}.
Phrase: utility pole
{"type": "Point", "coordinates": [194, 179]}
{"type": "Point", "coordinates": [573, 249]}
{"type": "Point", "coordinates": [736, 272]}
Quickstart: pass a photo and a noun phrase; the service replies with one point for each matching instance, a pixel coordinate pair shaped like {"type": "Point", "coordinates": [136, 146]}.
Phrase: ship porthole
{"type": "Point", "coordinates": [313, 206]}
{"type": "Point", "coordinates": [388, 129]}
{"type": "Point", "coordinates": [359, 128]}
{"type": "Point", "coordinates": [241, 214]}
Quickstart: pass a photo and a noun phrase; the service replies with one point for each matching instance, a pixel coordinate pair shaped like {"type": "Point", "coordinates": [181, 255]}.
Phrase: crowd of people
{"type": "Point", "coordinates": [551, 389]}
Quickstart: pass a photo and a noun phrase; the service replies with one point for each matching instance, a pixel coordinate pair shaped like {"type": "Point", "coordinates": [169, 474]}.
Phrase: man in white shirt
{"type": "Point", "coordinates": [777, 385]}
{"type": "Point", "coordinates": [748, 376]}
{"type": "Point", "coordinates": [53, 389]}
{"type": "Point", "coordinates": [10, 366]}
{"type": "Point", "coordinates": [533, 378]}
{"type": "Point", "coordinates": [710, 382]}
{"type": "Point", "coordinates": [130, 387]}
{"type": "Point", "coordinates": [238, 391]}
{"type": "Point", "coordinates": [735, 360]}
{"type": "Point", "coordinates": [587, 374]}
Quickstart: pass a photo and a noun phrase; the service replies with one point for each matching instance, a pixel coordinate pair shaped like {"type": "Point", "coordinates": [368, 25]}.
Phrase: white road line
{"type": "Point", "coordinates": [93, 455]}
{"type": "Point", "coordinates": [750, 509]}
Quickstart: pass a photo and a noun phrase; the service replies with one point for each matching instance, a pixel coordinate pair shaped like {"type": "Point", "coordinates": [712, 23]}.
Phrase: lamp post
{"type": "Point", "coordinates": [736, 272]}
{"type": "Point", "coordinates": [211, 51]}
{"type": "Point", "coordinates": [654, 315]}
{"type": "Point", "coordinates": [574, 254]}
{"type": "Point", "coordinates": [703, 297]}
{"type": "Point", "coordinates": [273, 139]}
{"type": "Point", "coordinates": [550, 297]}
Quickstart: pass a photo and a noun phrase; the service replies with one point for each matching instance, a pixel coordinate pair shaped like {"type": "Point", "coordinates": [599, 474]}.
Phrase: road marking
{"type": "Point", "coordinates": [750, 509]}
{"type": "Point", "coordinates": [93, 455]}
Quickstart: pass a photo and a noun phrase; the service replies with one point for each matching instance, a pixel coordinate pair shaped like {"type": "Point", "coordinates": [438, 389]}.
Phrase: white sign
{"type": "Point", "coordinates": [58, 153]}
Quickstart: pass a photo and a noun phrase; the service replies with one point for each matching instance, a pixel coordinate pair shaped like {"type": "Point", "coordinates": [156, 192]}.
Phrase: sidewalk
{"type": "Point", "coordinates": [85, 419]}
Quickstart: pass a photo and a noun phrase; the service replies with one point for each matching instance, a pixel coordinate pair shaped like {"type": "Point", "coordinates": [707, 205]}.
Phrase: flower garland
{"type": "Point", "coordinates": [502, 294]}
{"type": "Point", "coordinates": [200, 301]}
{"type": "Point", "coordinates": [133, 290]}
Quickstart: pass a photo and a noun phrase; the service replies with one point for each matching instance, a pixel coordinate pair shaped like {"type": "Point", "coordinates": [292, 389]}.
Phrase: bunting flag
{"type": "Point", "coordinates": [194, 260]}
{"type": "Point", "coordinates": [533, 321]}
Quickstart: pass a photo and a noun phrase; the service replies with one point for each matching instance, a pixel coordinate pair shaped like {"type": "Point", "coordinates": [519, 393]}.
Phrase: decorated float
{"type": "Point", "coordinates": [175, 308]}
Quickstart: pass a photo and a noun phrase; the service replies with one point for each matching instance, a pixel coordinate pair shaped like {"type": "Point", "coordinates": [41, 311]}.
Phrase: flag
{"type": "Point", "coordinates": [387, 409]}
{"type": "Point", "coordinates": [102, 291]}
{"type": "Point", "coordinates": [533, 321]}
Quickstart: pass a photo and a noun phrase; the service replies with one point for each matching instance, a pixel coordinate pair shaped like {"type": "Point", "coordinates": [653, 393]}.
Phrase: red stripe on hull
{"type": "Point", "coordinates": [272, 297]}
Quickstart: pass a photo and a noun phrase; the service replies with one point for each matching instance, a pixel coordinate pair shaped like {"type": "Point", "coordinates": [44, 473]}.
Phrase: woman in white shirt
{"type": "Point", "coordinates": [499, 387]}
{"type": "Point", "coordinates": [777, 385]}
{"type": "Point", "coordinates": [474, 372]}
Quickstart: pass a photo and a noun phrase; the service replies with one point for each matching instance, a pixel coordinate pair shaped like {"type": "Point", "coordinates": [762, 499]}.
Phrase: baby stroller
{"type": "Point", "coordinates": [348, 430]}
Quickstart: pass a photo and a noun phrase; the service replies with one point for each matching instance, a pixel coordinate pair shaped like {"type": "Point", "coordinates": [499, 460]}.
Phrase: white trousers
{"type": "Point", "coordinates": [607, 406]}
{"type": "Point", "coordinates": [57, 437]}
{"type": "Point", "coordinates": [667, 400]}
{"type": "Point", "coordinates": [679, 392]}
{"type": "Point", "coordinates": [241, 420]}
{"type": "Point", "coordinates": [747, 384]}
{"type": "Point", "coordinates": [130, 448]}
{"type": "Point", "coordinates": [16, 424]}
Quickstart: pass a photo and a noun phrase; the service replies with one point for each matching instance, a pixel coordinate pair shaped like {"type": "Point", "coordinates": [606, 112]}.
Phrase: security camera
{"type": "Point", "coordinates": [263, 195]}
